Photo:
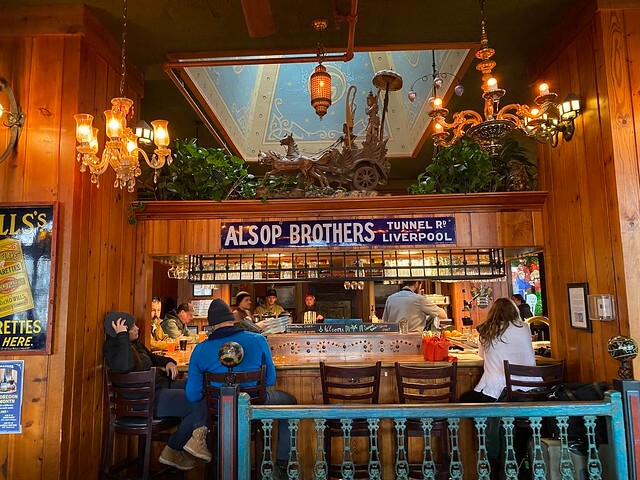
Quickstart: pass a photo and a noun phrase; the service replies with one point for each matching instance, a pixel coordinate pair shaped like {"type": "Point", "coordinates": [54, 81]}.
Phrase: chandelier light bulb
{"type": "Point", "coordinates": [535, 112]}
{"type": "Point", "coordinates": [437, 102]}
{"type": "Point", "coordinates": [412, 96]}
{"type": "Point", "coordinates": [492, 84]}
{"type": "Point", "coordinates": [438, 128]}
{"type": "Point", "coordinates": [161, 133]}
{"type": "Point", "coordinates": [543, 88]}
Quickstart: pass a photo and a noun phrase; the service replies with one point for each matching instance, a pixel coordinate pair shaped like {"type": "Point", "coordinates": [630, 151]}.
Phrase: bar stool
{"type": "Point", "coordinates": [428, 385]}
{"type": "Point", "coordinates": [130, 397]}
{"type": "Point", "coordinates": [252, 383]}
{"type": "Point", "coordinates": [348, 385]}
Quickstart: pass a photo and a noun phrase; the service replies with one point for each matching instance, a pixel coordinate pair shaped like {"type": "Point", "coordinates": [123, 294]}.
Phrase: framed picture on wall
{"type": "Point", "coordinates": [578, 306]}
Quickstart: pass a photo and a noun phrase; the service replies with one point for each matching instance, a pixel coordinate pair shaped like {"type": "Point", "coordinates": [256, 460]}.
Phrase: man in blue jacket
{"type": "Point", "coordinates": [256, 353]}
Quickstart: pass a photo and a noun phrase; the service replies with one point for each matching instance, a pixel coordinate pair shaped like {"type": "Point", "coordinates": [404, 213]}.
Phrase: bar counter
{"type": "Point", "coordinates": [297, 358]}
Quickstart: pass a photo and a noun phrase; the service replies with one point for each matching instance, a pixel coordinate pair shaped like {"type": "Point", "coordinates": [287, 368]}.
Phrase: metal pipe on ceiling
{"type": "Point", "coordinates": [351, 18]}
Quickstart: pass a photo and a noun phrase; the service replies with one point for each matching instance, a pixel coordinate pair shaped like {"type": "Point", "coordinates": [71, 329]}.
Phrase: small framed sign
{"type": "Point", "coordinates": [578, 306]}
{"type": "Point", "coordinates": [202, 290]}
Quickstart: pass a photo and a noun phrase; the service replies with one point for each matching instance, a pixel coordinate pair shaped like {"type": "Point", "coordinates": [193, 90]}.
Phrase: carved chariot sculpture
{"type": "Point", "coordinates": [344, 163]}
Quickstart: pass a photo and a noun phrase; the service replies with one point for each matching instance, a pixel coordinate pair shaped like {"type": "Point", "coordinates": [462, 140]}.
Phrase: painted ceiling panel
{"type": "Point", "coordinates": [258, 105]}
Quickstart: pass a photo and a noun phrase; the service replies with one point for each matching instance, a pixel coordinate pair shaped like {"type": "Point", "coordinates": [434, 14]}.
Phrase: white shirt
{"type": "Point", "coordinates": [411, 306]}
{"type": "Point", "coordinates": [514, 346]}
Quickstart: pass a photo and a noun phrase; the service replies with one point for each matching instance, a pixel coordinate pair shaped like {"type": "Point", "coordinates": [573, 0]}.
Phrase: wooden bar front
{"type": "Point", "coordinates": [297, 360]}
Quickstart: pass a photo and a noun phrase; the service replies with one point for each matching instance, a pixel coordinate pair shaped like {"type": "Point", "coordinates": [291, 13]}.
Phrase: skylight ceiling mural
{"type": "Point", "coordinates": [257, 105]}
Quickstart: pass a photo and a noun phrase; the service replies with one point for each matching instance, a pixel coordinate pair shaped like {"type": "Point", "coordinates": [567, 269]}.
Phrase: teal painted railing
{"type": "Point", "coordinates": [610, 408]}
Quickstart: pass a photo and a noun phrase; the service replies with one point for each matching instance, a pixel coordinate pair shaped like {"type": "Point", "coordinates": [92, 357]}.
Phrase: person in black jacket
{"type": "Point", "coordinates": [523, 307]}
{"type": "Point", "coordinates": [123, 353]}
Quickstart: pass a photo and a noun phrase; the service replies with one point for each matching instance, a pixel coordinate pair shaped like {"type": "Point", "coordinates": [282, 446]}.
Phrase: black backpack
{"type": "Point", "coordinates": [576, 392]}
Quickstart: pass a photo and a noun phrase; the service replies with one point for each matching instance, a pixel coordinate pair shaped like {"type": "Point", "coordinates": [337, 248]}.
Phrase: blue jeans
{"type": "Point", "coordinates": [172, 402]}
{"type": "Point", "coordinates": [276, 397]}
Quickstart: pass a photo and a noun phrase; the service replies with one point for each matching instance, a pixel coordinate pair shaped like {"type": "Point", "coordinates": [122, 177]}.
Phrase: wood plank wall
{"type": "Point", "coordinates": [592, 214]}
{"type": "Point", "coordinates": [54, 77]}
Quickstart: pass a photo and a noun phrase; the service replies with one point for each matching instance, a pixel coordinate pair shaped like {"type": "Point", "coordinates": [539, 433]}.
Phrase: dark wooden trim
{"type": "Point", "coordinates": [342, 206]}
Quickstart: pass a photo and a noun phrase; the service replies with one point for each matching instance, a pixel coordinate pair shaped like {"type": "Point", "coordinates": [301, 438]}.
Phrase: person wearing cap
{"type": "Point", "coordinates": [310, 314]}
{"type": "Point", "coordinates": [175, 323]}
{"type": "Point", "coordinates": [123, 353]}
{"type": "Point", "coordinates": [410, 305]}
{"type": "Point", "coordinates": [158, 340]}
{"type": "Point", "coordinates": [270, 307]}
{"type": "Point", "coordinates": [256, 353]}
{"type": "Point", "coordinates": [242, 313]}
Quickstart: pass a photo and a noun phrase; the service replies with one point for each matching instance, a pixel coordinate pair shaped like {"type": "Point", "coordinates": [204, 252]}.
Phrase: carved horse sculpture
{"type": "Point", "coordinates": [294, 161]}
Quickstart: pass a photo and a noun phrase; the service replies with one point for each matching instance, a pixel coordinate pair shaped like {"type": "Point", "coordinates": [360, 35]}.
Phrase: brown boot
{"type": "Point", "coordinates": [176, 458]}
{"type": "Point", "coordinates": [197, 444]}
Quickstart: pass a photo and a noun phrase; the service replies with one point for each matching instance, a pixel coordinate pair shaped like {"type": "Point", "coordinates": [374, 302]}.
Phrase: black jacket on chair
{"type": "Point", "coordinates": [119, 354]}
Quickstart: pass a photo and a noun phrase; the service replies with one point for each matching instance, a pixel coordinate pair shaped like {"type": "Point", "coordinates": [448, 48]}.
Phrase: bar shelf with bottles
{"type": "Point", "coordinates": [457, 264]}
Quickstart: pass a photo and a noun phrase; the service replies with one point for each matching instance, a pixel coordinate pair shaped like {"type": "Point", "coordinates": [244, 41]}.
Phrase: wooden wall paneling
{"type": "Point", "coordinates": [515, 228]}
{"type": "Point", "coordinates": [15, 164]}
{"type": "Point", "coordinates": [143, 286]}
{"type": "Point", "coordinates": [44, 114]}
{"type": "Point", "coordinates": [484, 230]}
{"type": "Point", "coordinates": [632, 28]}
{"type": "Point", "coordinates": [619, 142]}
{"type": "Point", "coordinates": [595, 218]}
{"type": "Point", "coordinates": [463, 229]}
{"type": "Point", "coordinates": [70, 295]}
{"type": "Point", "coordinates": [577, 202]}
{"type": "Point", "coordinates": [197, 236]}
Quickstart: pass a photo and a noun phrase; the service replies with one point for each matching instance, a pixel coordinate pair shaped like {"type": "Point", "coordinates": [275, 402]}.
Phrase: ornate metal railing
{"type": "Point", "coordinates": [610, 408]}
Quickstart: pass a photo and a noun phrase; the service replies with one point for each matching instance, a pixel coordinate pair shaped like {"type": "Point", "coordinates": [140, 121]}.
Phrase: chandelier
{"type": "Point", "coordinates": [544, 122]}
{"type": "Point", "coordinates": [121, 150]}
{"type": "Point", "coordinates": [320, 80]}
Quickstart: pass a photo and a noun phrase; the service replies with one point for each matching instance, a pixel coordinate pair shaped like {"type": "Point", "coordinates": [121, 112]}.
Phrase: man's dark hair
{"type": "Point", "coordinates": [183, 307]}
{"type": "Point", "coordinates": [517, 296]}
{"type": "Point", "coordinates": [409, 283]}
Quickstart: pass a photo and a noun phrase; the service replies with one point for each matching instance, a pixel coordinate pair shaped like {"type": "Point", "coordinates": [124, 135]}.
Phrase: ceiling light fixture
{"type": "Point", "coordinates": [438, 80]}
{"type": "Point", "coordinates": [320, 80]}
{"type": "Point", "coordinates": [544, 123]}
{"type": "Point", "coordinates": [121, 150]}
{"type": "Point", "coordinates": [13, 119]}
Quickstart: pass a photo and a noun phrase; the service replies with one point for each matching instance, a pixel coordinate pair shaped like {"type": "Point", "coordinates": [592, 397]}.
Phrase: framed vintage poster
{"type": "Point", "coordinates": [578, 306]}
{"type": "Point", "coordinates": [27, 277]}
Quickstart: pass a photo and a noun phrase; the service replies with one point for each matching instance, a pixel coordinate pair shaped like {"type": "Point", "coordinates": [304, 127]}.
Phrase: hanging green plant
{"type": "Point", "coordinates": [200, 173]}
{"type": "Point", "coordinates": [467, 168]}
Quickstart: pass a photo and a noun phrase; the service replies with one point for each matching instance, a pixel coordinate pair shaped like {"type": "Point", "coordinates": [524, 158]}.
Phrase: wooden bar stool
{"type": "Point", "coordinates": [130, 397]}
{"type": "Point", "coordinates": [428, 385]}
{"type": "Point", "coordinates": [348, 385]}
{"type": "Point", "coordinates": [252, 383]}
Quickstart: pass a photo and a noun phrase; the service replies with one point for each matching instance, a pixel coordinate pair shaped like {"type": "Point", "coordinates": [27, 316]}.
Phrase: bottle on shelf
{"type": "Point", "coordinates": [373, 318]}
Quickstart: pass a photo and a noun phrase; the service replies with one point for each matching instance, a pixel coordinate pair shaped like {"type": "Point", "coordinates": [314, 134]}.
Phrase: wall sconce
{"type": "Point", "coordinates": [602, 307]}
{"type": "Point", "coordinates": [13, 118]}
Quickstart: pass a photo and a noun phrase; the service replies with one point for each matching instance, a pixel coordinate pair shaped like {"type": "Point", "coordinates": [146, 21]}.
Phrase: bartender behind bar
{"type": "Point", "coordinates": [408, 304]}
{"type": "Point", "coordinates": [310, 314]}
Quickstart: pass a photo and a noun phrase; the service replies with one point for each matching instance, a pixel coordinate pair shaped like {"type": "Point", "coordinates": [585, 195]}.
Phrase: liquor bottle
{"type": "Point", "coordinates": [373, 318]}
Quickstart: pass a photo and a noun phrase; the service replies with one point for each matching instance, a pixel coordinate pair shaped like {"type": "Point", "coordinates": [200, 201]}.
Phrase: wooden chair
{"type": "Point", "coordinates": [542, 379]}
{"type": "Point", "coordinates": [348, 385]}
{"type": "Point", "coordinates": [130, 397]}
{"type": "Point", "coordinates": [428, 385]}
{"type": "Point", "coordinates": [256, 389]}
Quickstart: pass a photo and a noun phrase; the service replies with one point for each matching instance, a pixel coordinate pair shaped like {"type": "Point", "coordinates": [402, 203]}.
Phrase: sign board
{"type": "Point", "coordinates": [343, 328]}
{"type": "Point", "coordinates": [27, 272]}
{"type": "Point", "coordinates": [11, 389]}
{"type": "Point", "coordinates": [340, 233]}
